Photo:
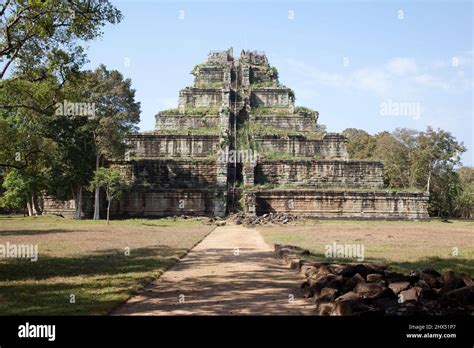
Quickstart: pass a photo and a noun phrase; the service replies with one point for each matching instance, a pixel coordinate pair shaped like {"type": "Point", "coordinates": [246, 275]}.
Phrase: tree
{"type": "Point", "coordinates": [44, 40]}
{"type": "Point", "coordinates": [395, 158]}
{"type": "Point", "coordinates": [23, 188]}
{"type": "Point", "coordinates": [433, 157]}
{"type": "Point", "coordinates": [408, 138]}
{"type": "Point", "coordinates": [16, 193]}
{"type": "Point", "coordinates": [36, 32]}
{"type": "Point", "coordinates": [436, 151]}
{"type": "Point", "coordinates": [116, 114]}
{"type": "Point", "coordinates": [422, 160]}
{"type": "Point", "coordinates": [72, 146]}
{"type": "Point", "coordinates": [112, 181]}
{"type": "Point", "coordinates": [25, 108]}
{"type": "Point", "coordinates": [72, 166]}
{"type": "Point", "coordinates": [361, 145]}
{"type": "Point", "coordinates": [25, 151]}
{"type": "Point", "coordinates": [465, 199]}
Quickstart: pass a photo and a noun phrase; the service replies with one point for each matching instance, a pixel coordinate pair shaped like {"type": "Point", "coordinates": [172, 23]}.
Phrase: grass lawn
{"type": "Point", "coordinates": [87, 259]}
{"type": "Point", "coordinates": [403, 245]}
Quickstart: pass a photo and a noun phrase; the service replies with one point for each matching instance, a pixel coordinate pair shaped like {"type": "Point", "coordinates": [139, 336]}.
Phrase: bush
{"type": "Point", "coordinates": [200, 111]}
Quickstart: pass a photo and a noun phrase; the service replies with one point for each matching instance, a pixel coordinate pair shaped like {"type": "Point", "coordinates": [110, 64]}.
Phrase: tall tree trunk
{"type": "Point", "coordinates": [78, 203]}
{"type": "Point", "coordinates": [33, 207]}
{"type": "Point", "coordinates": [97, 193]}
{"type": "Point", "coordinates": [36, 205]}
{"type": "Point", "coordinates": [108, 211]}
{"type": "Point", "coordinates": [28, 206]}
{"type": "Point", "coordinates": [428, 184]}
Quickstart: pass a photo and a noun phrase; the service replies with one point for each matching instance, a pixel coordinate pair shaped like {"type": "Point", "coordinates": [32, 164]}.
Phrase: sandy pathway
{"type": "Point", "coordinates": [231, 272]}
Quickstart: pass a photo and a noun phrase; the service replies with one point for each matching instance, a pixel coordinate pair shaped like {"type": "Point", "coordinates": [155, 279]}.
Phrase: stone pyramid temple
{"type": "Point", "coordinates": [236, 142]}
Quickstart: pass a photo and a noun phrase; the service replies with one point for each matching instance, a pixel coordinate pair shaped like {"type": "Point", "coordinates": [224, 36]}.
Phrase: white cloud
{"type": "Point", "coordinates": [398, 77]}
{"type": "Point", "coordinates": [375, 80]}
{"type": "Point", "coordinates": [401, 66]}
{"type": "Point", "coordinates": [316, 75]}
{"type": "Point", "coordinates": [427, 80]}
{"type": "Point", "coordinates": [463, 59]}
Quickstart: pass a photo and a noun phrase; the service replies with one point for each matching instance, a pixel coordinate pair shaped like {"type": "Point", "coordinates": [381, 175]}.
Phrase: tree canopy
{"type": "Point", "coordinates": [38, 33]}
{"type": "Point", "coordinates": [427, 161]}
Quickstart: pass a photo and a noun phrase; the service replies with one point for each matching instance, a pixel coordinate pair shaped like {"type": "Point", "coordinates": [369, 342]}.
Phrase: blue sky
{"type": "Point", "coordinates": [345, 59]}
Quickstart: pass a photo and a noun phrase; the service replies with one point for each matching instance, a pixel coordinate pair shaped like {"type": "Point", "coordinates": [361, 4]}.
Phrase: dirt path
{"type": "Point", "coordinates": [231, 272]}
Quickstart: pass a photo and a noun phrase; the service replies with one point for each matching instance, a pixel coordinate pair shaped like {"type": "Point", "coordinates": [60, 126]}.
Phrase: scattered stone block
{"type": "Point", "coordinates": [374, 277]}
{"type": "Point", "coordinates": [398, 286]}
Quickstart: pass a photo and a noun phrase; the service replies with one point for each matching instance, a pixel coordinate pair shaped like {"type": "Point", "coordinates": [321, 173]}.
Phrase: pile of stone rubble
{"type": "Point", "coordinates": [372, 289]}
{"type": "Point", "coordinates": [271, 218]}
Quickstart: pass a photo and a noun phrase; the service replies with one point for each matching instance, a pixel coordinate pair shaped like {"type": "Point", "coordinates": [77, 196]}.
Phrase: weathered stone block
{"type": "Point", "coordinates": [183, 122]}
{"type": "Point", "coordinates": [340, 204]}
{"type": "Point", "coordinates": [210, 75]}
{"type": "Point", "coordinates": [164, 203]}
{"type": "Point", "coordinates": [278, 97]}
{"type": "Point", "coordinates": [170, 173]}
{"type": "Point", "coordinates": [329, 147]}
{"type": "Point", "coordinates": [288, 122]}
{"type": "Point", "coordinates": [320, 173]}
{"type": "Point", "coordinates": [144, 146]}
{"type": "Point", "coordinates": [192, 97]}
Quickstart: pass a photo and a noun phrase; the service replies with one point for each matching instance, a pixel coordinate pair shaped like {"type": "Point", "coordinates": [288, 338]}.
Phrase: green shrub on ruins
{"type": "Point", "coordinates": [186, 131]}
{"type": "Point", "coordinates": [274, 71]}
{"type": "Point", "coordinates": [263, 110]}
{"type": "Point", "coordinates": [306, 112]}
{"type": "Point", "coordinates": [291, 95]}
{"type": "Point", "coordinates": [196, 69]}
{"type": "Point", "coordinates": [279, 156]}
{"type": "Point", "coordinates": [286, 156]}
{"type": "Point", "coordinates": [266, 84]}
{"type": "Point", "coordinates": [245, 137]}
{"type": "Point", "coordinates": [212, 85]}
{"type": "Point", "coordinates": [197, 111]}
{"type": "Point", "coordinates": [263, 130]}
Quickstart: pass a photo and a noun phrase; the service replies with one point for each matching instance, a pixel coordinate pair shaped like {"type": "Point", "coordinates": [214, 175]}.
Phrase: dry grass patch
{"type": "Point", "coordinates": [89, 260]}
{"type": "Point", "coordinates": [404, 245]}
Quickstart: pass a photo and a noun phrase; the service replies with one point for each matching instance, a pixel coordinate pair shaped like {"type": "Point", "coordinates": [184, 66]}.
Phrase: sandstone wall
{"type": "Point", "coordinates": [288, 122]}
{"type": "Point", "coordinates": [159, 146]}
{"type": "Point", "coordinates": [339, 204]}
{"type": "Point", "coordinates": [210, 74]}
{"type": "Point", "coordinates": [330, 147]}
{"type": "Point", "coordinates": [320, 173]}
{"type": "Point", "coordinates": [170, 173]}
{"type": "Point", "coordinates": [55, 206]}
{"type": "Point", "coordinates": [200, 97]}
{"type": "Point", "coordinates": [164, 203]}
{"type": "Point", "coordinates": [67, 208]}
{"type": "Point", "coordinates": [270, 97]}
{"type": "Point", "coordinates": [175, 122]}
{"type": "Point", "coordinates": [259, 75]}
{"type": "Point", "coordinates": [142, 203]}
{"type": "Point", "coordinates": [334, 146]}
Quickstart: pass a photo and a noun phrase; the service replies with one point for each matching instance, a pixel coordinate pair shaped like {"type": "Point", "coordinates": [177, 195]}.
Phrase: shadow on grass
{"type": "Point", "coordinates": [99, 281]}
{"type": "Point", "coordinates": [154, 225]}
{"type": "Point", "coordinates": [105, 262]}
{"type": "Point", "coordinates": [439, 264]}
{"type": "Point", "coordinates": [35, 232]}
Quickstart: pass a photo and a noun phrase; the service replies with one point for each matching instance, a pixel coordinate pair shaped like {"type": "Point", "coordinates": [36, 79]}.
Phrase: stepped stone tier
{"type": "Point", "coordinates": [188, 164]}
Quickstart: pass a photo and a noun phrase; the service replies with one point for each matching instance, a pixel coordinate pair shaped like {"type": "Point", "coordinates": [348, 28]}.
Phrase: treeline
{"type": "Point", "coordinates": [58, 122]}
{"type": "Point", "coordinates": [428, 161]}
